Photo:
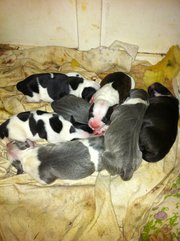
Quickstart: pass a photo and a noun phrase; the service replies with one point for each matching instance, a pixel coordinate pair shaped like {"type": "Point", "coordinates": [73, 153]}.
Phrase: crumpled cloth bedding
{"type": "Point", "coordinates": [99, 207]}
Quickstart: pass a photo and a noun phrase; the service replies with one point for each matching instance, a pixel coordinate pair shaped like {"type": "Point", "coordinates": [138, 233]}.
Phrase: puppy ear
{"type": "Point", "coordinates": [30, 143]}
{"type": "Point", "coordinates": [87, 93]}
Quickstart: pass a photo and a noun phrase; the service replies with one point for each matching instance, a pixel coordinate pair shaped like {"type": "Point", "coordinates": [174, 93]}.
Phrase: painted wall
{"type": "Point", "coordinates": [153, 25]}
{"type": "Point", "coordinates": [38, 22]}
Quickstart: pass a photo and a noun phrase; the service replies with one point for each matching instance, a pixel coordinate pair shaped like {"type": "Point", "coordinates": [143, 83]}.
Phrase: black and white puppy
{"type": "Point", "coordinates": [69, 160]}
{"type": "Point", "coordinates": [52, 86]}
{"type": "Point", "coordinates": [159, 129]}
{"type": "Point", "coordinates": [38, 125]}
{"type": "Point", "coordinates": [122, 155]}
{"type": "Point", "coordinates": [114, 90]}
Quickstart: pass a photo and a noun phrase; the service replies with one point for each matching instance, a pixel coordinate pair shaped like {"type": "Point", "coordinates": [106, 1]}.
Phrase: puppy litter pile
{"type": "Point", "coordinates": [98, 207]}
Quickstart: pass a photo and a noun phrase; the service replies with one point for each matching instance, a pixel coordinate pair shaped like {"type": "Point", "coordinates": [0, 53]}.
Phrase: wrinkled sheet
{"type": "Point", "coordinates": [99, 207]}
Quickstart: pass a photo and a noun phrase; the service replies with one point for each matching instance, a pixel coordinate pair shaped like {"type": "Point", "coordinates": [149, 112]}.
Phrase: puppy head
{"type": "Point", "coordinates": [157, 89]}
{"type": "Point", "coordinates": [14, 149]}
{"type": "Point", "coordinates": [99, 114]}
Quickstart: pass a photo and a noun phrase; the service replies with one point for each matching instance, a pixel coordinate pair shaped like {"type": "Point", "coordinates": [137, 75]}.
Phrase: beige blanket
{"type": "Point", "coordinates": [99, 207]}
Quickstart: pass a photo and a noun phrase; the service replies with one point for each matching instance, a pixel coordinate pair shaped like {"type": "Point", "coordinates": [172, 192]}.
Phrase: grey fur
{"type": "Point", "coordinates": [69, 160]}
{"type": "Point", "coordinates": [122, 155]}
{"type": "Point", "coordinates": [71, 105]}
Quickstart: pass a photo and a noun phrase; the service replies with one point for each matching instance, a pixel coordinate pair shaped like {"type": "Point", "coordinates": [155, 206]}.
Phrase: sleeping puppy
{"type": "Point", "coordinates": [52, 86]}
{"type": "Point", "coordinates": [70, 160]}
{"type": "Point", "coordinates": [38, 125]}
{"type": "Point", "coordinates": [71, 105]}
{"type": "Point", "coordinates": [45, 86]}
{"type": "Point", "coordinates": [122, 155]}
{"type": "Point", "coordinates": [160, 123]}
{"type": "Point", "coordinates": [114, 90]}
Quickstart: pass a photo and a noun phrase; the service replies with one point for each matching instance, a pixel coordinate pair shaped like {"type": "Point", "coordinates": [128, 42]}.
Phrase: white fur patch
{"type": "Point", "coordinates": [94, 154]}
{"type": "Point", "coordinates": [133, 101]}
{"type": "Point", "coordinates": [53, 136]}
{"type": "Point", "coordinates": [82, 86]}
{"type": "Point", "coordinates": [132, 82]}
{"type": "Point", "coordinates": [43, 94]}
{"type": "Point", "coordinates": [74, 74]}
{"type": "Point", "coordinates": [19, 130]}
{"type": "Point", "coordinates": [107, 93]}
{"type": "Point", "coordinates": [30, 163]}
{"type": "Point", "coordinates": [86, 83]}
{"type": "Point", "coordinates": [52, 75]}
{"type": "Point", "coordinates": [100, 108]}
{"type": "Point", "coordinates": [34, 98]}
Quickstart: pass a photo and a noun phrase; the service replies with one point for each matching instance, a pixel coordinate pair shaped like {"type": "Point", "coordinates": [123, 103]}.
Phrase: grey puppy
{"type": "Point", "coordinates": [71, 105]}
{"type": "Point", "coordinates": [122, 155]}
{"type": "Point", "coordinates": [70, 160]}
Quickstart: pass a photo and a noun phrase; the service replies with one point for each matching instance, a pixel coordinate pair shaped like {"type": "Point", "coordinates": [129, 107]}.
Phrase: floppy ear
{"type": "Point", "coordinates": [87, 93]}
{"type": "Point", "coordinates": [30, 143]}
{"type": "Point", "coordinates": [79, 125]}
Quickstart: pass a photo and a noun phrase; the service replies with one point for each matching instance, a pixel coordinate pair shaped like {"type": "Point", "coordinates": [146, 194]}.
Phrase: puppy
{"type": "Point", "coordinates": [70, 160]}
{"type": "Point", "coordinates": [114, 90]}
{"type": "Point", "coordinates": [159, 128]}
{"type": "Point", "coordinates": [45, 86]}
{"type": "Point", "coordinates": [71, 105]}
{"type": "Point", "coordinates": [38, 125]}
{"type": "Point", "coordinates": [48, 87]}
{"type": "Point", "coordinates": [122, 155]}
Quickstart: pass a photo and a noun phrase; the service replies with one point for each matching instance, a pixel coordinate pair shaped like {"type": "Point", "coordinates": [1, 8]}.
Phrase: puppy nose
{"type": "Point", "coordinates": [94, 124]}
{"type": "Point", "coordinates": [10, 144]}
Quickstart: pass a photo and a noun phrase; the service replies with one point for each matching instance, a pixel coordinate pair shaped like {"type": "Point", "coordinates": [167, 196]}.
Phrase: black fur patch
{"type": "Point", "coordinates": [79, 125]}
{"type": "Point", "coordinates": [28, 85]}
{"type": "Point", "coordinates": [57, 87]}
{"type": "Point", "coordinates": [72, 130]}
{"type": "Point", "coordinates": [75, 81]}
{"type": "Point", "coordinates": [40, 112]}
{"type": "Point", "coordinates": [17, 164]}
{"type": "Point", "coordinates": [24, 116]}
{"type": "Point", "coordinates": [33, 85]}
{"type": "Point", "coordinates": [46, 79]}
{"type": "Point", "coordinates": [106, 118]}
{"type": "Point", "coordinates": [88, 92]}
{"type": "Point", "coordinates": [41, 129]}
{"type": "Point", "coordinates": [4, 130]}
{"type": "Point", "coordinates": [159, 88]}
{"type": "Point", "coordinates": [22, 87]}
{"type": "Point", "coordinates": [55, 123]}
{"type": "Point", "coordinates": [33, 125]}
{"type": "Point", "coordinates": [91, 111]}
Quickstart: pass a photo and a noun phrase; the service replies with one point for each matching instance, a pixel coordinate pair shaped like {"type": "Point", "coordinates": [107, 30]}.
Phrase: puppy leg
{"type": "Point", "coordinates": [17, 164]}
